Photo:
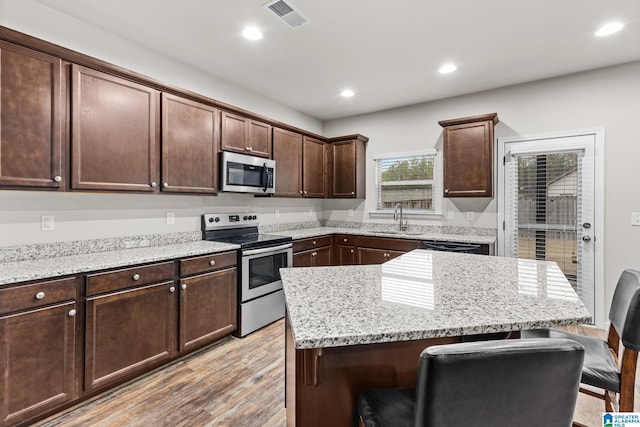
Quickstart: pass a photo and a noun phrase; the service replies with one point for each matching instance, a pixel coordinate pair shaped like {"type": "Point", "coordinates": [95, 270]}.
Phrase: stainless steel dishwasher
{"type": "Point", "coordinates": [466, 248]}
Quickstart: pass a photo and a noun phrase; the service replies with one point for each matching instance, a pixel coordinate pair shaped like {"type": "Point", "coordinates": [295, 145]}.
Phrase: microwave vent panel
{"type": "Point", "coordinates": [287, 13]}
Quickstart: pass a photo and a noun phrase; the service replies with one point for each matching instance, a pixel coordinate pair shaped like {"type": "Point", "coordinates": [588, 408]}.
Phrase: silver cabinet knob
{"type": "Point", "coordinates": [305, 191]}
{"type": "Point", "coordinates": [300, 191]}
{"type": "Point", "coordinates": [165, 185]}
{"type": "Point", "coordinates": [57, 178]}
{"type": "Point", "coordinates": [248, 149]}
{"type": "Point", "coordinates": [345, 240]}
{"type": "Point", "coordinates": [314, 242]}
{"type": "Point", "coordinates": [40, 295]}
{"type": "Point", "coordinates": [353, 193]}
{"type": "Point", "coordinates": [153, 184]}
{"type": "Point", "coordinates": [446, 190]}
{"type": "Point", "coordinates": [183, 286]}
{"type": "Point", "coordinates": [136, 276]}
{"type": "Point", "coordinates": [212, 262]}
{"type": "Point", "coordinates": [314, 253]}
{"type": "Point", "coordinates": [172, 289]}
{"type": "Point", "coordinates": [72, 312]}
{"type": "Point", "coordinates": [351, 251]}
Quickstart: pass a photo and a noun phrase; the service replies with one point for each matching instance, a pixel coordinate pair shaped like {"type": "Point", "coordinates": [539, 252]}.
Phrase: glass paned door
{"type": "Point", "coordinates": [549, 206]}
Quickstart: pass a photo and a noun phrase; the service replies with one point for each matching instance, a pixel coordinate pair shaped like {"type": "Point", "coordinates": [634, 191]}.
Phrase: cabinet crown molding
{"type": "Point", "coordinates": [471, 119]}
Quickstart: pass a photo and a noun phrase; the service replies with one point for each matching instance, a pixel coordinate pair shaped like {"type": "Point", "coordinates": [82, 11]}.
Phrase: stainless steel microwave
{"type": "Point", "coordinates": [247, 174]}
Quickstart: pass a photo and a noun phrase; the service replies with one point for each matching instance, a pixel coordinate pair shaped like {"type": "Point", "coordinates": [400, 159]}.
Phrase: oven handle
{"type": "Point", "coordinates": [267, 250]}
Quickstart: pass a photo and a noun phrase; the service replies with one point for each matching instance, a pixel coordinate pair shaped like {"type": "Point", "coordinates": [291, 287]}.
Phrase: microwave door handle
{"type": "Point", "coordinates": [264, 178]}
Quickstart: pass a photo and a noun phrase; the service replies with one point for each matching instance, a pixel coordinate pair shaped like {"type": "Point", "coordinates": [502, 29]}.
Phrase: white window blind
{"type": "Point", "coordinates": [407, 180]}
{"type": "Point", "coordinates": [543, 209]}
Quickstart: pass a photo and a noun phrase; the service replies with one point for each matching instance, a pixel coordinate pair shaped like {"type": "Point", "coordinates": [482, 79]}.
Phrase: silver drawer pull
{"type": "Point", "coordinates": [136, 276]}
{"type": "Point", "coordinates": [165, 185]}
{"type": "Point", "coordinates": [172, 289]}
{"type": "Point", "coordinates": [40, 295]}
{"type": "Point", "coordinates": [183, 286]}
{"type": "Point", "coordinates": [212, 262]}
{"type": "Point", "coordinates": [72, 312]}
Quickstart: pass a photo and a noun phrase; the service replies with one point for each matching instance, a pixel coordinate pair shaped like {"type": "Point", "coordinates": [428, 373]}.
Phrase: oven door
{"type": "Point", "coordinates": [261, 270]}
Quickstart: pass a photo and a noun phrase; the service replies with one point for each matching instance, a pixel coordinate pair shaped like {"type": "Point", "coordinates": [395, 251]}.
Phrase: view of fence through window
{"type": "Point", "coordinates": [547, 210]}
{"type": "Point", "coordinates": [406, 180]}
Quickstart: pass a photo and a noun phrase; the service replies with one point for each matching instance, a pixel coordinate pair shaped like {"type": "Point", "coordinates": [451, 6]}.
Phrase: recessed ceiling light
{"type": "Point", "coordinates": [447, 68]}
{"type": "Point", "coordinates": [347, 93]}
{"type": "Point", "coordinates": [610, 28]}
{"type": "Point", "coordinates": [252, 33]}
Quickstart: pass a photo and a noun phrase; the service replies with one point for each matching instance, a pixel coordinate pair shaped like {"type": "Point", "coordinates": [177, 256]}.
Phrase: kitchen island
{"type": "Point", "coordinates": [357, 327]}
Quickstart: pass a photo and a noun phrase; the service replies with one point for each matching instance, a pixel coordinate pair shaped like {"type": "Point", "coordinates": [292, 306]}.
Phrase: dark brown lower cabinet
{"type": "Point", "coordinates": [313, 258]}
{"type": "Point", "coordinates": [376, 256]}
{"type": "Point", "coordinates": [207, 308]}
{"type": "Point", "coordinates": [37, 364]}
{"type": "Point", "coordinates": [128, 331]}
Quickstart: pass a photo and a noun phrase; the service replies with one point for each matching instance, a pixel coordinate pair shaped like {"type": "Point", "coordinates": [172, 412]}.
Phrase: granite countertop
{"type": "Point", "coordinates": [414, 235]}
{"type": "Point", "coordinates": [21, 271]}
{"type": "Point", "coordinates": [425, 294]}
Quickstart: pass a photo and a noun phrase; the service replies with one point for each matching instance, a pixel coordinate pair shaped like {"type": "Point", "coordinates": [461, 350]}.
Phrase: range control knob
{"type": "Point", "coordinates": [246, 217]}
{"type": "Point", "coordinates": [255, 217]}
{"type": "Point", "coordinates": [217, 219]}
{"type": "Point", "coordinates": [210, 219]}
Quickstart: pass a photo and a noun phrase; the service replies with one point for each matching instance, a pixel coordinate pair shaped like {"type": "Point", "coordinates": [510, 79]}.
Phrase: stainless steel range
{"type": "Point", "coordinates": [260, 295]}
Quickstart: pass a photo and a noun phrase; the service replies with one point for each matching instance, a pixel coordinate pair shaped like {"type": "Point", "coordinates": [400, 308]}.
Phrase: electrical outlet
{"type": "Point", "coordinates": [48, 223]}
{"type": "Point", "coordinates": [451, 215]}
{"type": "Point", "coordinates": [171, 218]}
{"type": "Point", "coordinates": [277, 213]}
{"type": "Point", "coordinates": [469, 215]}
{"type": "Point", "coordinates": [635, 218]}
{"type": "Point", "coordinates": [350, 213]}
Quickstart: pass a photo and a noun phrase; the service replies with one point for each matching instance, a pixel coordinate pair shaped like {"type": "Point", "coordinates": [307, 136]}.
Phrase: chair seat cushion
{"type": "Point", "coordinates": [387, 407]}
{"type": "Point", "coordinates": [599, 369]}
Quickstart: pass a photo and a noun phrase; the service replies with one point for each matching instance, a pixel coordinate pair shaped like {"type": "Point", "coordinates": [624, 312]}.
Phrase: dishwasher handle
{"type": "Point", "coordinates": [467, 248]}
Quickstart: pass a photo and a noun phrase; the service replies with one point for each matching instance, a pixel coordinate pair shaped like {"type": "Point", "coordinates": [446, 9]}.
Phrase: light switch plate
{"type": "Point", "coordinates": [451, 215]}
{"type": "Point", "coordinates": [350, 213]}
{"type": "Point", "coordinates": [469, 215]}
{"type": "Point", "coordinates": [171, 218]}
{"type": "Point", "coordinates": [635, 218]}
{"type": "Point", "coordinates": [48, 223]}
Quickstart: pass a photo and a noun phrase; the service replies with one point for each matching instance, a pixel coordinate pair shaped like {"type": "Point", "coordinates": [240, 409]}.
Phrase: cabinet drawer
{"type": "Point", "coordinates": [389, 243]}
{"type": "Point", "coordinates": [206, 263]}
{"type": "Point", "coordinates": [127, 277]}
{"type": "Point", "coordinates": [37, 295]}
{"type": "Point", "coordinates": [344, 239]}
{"type": "Point", "coordinates": [314, 242]}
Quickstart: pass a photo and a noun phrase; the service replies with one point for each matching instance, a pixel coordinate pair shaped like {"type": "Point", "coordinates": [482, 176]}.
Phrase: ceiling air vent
{"type": "Point", "coordinates": [287, 13]}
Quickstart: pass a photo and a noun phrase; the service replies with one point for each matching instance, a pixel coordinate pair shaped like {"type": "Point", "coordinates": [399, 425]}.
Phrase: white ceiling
{"type": "Point", "coordinates": [388, 52]}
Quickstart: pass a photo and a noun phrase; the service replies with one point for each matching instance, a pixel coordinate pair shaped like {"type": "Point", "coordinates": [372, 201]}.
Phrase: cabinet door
{"type": "Point", "coordinates": [243, 135]}
{"type": "Point", "coordinates": [259, 138]}
{"type": "Point", "coordinates": [37, 361]}
{"type": "Point", "coordinates": [189, 146]}
{"type": "Point", "coordinates": [346, 255]}
{"type": "Point", "coordinates": [322, 256]}
{"type": "Point", "coordinates": [207, 308]}
{"type": "Point", "coordinates": [31, 117]}
{"type": "Point", "coordinates": [468, 161]}
{"type": "Point", "coordinates": [303, 259]}
{"type": "Point", "coordinates": [287, 152]}
{"type": "Point", "coordinates": [128, 332]}
{"type": "Point", "coordinates": [313, 168]}
{"type": "Point", "coordinates": [343, 165]}
{"type": "Point", "coordinates": [115, 133]}
{"type": "Point", "coordinates": [371, 256]}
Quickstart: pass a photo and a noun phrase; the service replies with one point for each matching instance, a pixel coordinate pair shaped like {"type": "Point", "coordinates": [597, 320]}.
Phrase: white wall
{"type": "Point", "coordinates": [608, 98]}
{"type": "Point", "coordinates": [84, 216]}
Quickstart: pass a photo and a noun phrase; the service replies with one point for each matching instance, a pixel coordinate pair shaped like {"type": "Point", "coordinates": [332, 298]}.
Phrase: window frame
{"type": "Point", "coordinates": [436, 183]}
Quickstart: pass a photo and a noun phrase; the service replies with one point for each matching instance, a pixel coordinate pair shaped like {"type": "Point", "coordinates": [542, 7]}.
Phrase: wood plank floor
{"type": "Point", "coordinates": [237, 382]}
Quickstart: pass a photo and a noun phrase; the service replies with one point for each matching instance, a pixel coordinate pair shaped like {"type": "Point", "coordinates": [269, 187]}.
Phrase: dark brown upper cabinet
{"type": "Point", "coordinates": [189, 146]}
{"type": "Point", "coordinates": [287, 152]}
{"type": "Point", "coordinates": [115, 139]}
{"type": "Point", "coordinates": [31, 118]}
{"type": "Point", "coordinates": [243, 135]}
{"type": "Point", "coordinates": [468, 156]}
{"type": "Point", "coordinates": [346, 167]}
{"type": "Point", "coordinates": [313, 165]}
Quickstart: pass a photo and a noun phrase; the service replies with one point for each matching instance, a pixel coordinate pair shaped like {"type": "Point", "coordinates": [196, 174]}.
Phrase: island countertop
{"type": "Point", "coordinates": [425, 294]}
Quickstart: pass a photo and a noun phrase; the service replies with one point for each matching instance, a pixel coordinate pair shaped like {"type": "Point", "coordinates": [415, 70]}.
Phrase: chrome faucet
{"type": "Point", "coordinates": [402, 224]}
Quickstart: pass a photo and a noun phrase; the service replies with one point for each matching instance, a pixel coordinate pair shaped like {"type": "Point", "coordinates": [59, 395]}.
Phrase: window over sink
{"type": "Point", "coordinates": [406, 179]}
